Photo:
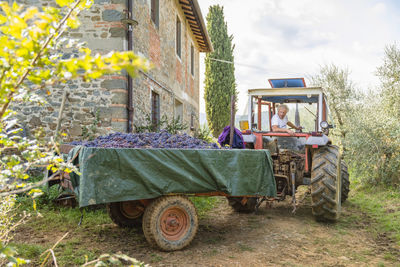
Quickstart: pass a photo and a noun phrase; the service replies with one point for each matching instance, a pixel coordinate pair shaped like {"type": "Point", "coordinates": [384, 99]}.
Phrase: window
{"type": "Point", "coordinates": [192, 60]}
{"type": "Point", "coordinates": [178, 37]}
{"type": "Point", "coordinates": [192, 122]}
{"type": "Point", "coordinates": [155, 110]}
{"type": "Point", "coordinates": [155, 11]}
{"type": "Point", "coordinates": [178, 110]}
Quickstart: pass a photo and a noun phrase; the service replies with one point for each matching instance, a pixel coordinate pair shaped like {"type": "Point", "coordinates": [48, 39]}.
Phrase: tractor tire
{"type": "Point", "coordinates": [170, 223]}
{"type": "Point", "coordinates": [236, 204]}
{"type": "Point", "coordinates": [126, 213]}
{"type": "Point", "coordinates": [345, 182]}
{"type": "Point", "coordinates": [323, 184]}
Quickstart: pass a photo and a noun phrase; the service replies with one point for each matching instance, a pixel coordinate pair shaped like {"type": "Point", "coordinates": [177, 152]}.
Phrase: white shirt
{"type": "Point", "coordinates": [278, 121]}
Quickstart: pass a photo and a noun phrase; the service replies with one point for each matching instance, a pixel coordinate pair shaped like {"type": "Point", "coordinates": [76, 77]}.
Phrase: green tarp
{"type": "Point", "coordinates": [120, 174]}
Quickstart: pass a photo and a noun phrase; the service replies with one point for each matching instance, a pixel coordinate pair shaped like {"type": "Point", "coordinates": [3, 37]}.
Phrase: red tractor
{"type": "Point", "coordinates": [304, 158]}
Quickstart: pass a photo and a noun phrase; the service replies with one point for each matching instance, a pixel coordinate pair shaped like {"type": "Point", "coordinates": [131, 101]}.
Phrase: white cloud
{"type": "Point", "coordinates": [290, 38]}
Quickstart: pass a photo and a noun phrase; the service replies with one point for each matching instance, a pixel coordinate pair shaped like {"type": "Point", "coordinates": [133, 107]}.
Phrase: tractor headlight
{"type": "Point", "coordinates": [324, 125]}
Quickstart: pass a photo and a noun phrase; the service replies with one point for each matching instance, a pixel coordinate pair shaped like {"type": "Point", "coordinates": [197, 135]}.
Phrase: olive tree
{"type": "Point", "coordinates": [341, 95]}
{"type": "Point", "coordinates": [374, 139]}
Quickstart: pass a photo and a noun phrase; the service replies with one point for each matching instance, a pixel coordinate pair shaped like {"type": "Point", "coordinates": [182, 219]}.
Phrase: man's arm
{"type": "Point", "coordinates": [275, 128]}
{"type": "Point", "coordinates": [294, 126]}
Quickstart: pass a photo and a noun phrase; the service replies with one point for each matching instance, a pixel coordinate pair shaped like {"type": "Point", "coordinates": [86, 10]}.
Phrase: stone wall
{"type": "Point", "coordinates": [101, 105]}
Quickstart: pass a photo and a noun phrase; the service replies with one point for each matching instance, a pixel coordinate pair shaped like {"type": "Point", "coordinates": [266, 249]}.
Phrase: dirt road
{"type": "Point", "coordinates": [274, 237]}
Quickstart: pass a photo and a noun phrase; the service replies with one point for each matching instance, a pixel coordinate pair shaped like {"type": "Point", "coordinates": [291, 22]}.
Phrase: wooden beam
{"type": "Point", "coordinates": [187, 8]}
{"type": "Point", "coordinates": [196, 31]}
{"type": "Point", "coordinates": [190, 16]}
{"type": "Point", "coordinates": [185, 2]}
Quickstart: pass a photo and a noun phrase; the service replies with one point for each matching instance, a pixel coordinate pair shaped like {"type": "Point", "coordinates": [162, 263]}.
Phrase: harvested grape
{"type": "Point", "coordinates": [161, 139]}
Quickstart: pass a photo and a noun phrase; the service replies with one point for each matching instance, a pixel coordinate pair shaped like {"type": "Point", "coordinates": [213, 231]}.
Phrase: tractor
{"type": "Point", "coordinates": [304, 158]}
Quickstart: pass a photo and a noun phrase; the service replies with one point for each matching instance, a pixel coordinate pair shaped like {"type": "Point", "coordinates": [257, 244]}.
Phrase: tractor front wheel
{"type": "Point", "coordinates": [240, 204]}
{"type": "Point", "coordinates": [345, 182]}
{"type": "Point", "coordinates": [323, 184]}
{"type": "Point", "coordinates": [170, 222]}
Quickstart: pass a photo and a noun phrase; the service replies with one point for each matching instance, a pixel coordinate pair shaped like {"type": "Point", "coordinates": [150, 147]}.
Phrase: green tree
{"type": "Point", "coordinates": [340, 95]}
{"type": "Point", "coordinates": [374, 136]}
{"type": "Point", "coordinates": [220, 72]}
{"type": "Point", "coordinates": [389, 74]}
{"type": "Point", "coordinates": [30, 62]}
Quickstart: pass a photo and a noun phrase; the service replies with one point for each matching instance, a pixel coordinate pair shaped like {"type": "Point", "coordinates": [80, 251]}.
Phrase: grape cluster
{"type": "Point", "coordinates": [161, 139]}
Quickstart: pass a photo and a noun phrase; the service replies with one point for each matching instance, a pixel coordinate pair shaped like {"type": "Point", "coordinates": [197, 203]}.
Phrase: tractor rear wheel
{"type": "Point", "coordinates": [170, 222]}
{"type": "Point", "coordinates": [237, 204]}
{"type": "Point", "coordinates": [323, 184]}
{"type": "Point", "coordinates": [126, 213]}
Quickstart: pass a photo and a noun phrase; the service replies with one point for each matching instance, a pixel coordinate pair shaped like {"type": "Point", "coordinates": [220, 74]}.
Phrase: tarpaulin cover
{"type": "Point", "coordinates": [118, 174]}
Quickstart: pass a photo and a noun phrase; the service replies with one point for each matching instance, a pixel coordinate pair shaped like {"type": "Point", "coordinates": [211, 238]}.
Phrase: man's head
{"type": "Point", "coordinates": [282, 110]}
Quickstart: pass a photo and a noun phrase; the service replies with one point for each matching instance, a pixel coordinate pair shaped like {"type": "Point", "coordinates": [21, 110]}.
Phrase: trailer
{"type": "Point", "coordinates": [150, 187]}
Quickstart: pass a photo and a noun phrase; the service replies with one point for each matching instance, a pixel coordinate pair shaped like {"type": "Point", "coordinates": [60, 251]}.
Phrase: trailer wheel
{"type": "Point", "coordinates": [237, 204]}
{"type": "Point", "coordinates": [170, 222]}
{"type": "Point", "coordinates": [323, 184]}
{"type": "Point", "coordinates": [126, 213]}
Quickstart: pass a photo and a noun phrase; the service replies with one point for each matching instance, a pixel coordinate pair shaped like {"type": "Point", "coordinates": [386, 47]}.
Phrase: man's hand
{"type": "Point", "coordinates": [290, 132]}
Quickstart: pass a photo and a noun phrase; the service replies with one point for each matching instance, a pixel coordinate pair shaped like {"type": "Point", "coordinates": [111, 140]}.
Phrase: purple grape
{"type": "Point", "coordinates": [162, 139]}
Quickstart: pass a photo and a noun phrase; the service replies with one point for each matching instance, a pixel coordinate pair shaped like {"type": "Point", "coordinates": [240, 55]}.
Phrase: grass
{"type": "Point", "coordinates": [383, 206]}
{"type": "Point", "coordinates": [50, 215]}
{"type": "Point", "coordinates": [204, 205]}
{"type": "Point", "coordinates": [28, 251]}
{"type": "Point", "coordinates": [376, 208]}
{"type": "Point", "coordinates": [50, 218]}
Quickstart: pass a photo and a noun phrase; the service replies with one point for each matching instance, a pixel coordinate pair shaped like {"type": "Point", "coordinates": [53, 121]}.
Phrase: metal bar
{"type": "Point", "coordinates": [232, 129]}
{"type": "Point", "coordinates": [286, 134]}
{"type": "Point", "coordinates": [60, 113]}
{"type": "Point", "coordinates": [250, 111]}
{"type": "Point", "coordinates": [130, 82]}
{"type": "Point", "coordinates": [269, 116]}
{"type": "Point", "coordinates": [319, 112]}
{"type": "Point", "coordinates": [259, 114]}
{"type": "Point", "coordinates": [259, 141]}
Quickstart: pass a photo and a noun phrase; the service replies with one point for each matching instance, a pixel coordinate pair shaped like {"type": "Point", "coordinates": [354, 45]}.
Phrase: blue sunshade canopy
{"type": "Point", "coordinates": [291, 99]}
{"type": "Point", "coordinates": [284, 83]}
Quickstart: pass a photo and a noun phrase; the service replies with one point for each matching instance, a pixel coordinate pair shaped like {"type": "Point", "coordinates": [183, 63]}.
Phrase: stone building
{"type": "Point", "coordinates": [170, 33]}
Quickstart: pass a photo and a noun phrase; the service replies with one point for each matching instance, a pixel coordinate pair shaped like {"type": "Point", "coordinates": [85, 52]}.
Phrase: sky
{"type": "Point", "coordinates": [293, 38]}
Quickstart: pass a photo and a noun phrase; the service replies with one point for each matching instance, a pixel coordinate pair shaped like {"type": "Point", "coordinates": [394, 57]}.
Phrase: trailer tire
{"type": "Point", "coordinates": [323, 184]}
{"type": "Point", "coordinates": [170, 223]}
{"type": "Point", "coordinates": [126, 213]}
{"type": "Point", "coordinates": [236, 204]}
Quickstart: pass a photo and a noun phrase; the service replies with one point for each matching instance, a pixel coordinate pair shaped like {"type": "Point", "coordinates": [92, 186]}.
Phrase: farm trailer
{"type": "Point", "coordinates": [150, 187]}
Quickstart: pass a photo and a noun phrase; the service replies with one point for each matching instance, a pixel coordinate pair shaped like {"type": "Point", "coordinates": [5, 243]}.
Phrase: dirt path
{"type": "Point", "coordinates": [274, 237]}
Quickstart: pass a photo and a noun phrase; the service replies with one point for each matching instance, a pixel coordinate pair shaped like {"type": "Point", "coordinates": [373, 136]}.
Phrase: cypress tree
{"type": "Point", "coordinates": [219, 76]}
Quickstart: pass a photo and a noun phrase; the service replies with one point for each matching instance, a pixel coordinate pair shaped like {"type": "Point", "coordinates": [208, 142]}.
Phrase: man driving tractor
{"type": "Point", "coordinates": [280, 121]}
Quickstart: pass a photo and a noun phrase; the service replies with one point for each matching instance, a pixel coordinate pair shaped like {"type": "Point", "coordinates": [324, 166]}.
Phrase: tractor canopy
{"type": "Point", "coordinates": [307, 105]}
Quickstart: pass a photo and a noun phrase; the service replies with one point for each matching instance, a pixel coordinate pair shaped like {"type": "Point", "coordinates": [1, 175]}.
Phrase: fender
{"type": "Point", "coordinates": [318, 140]}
